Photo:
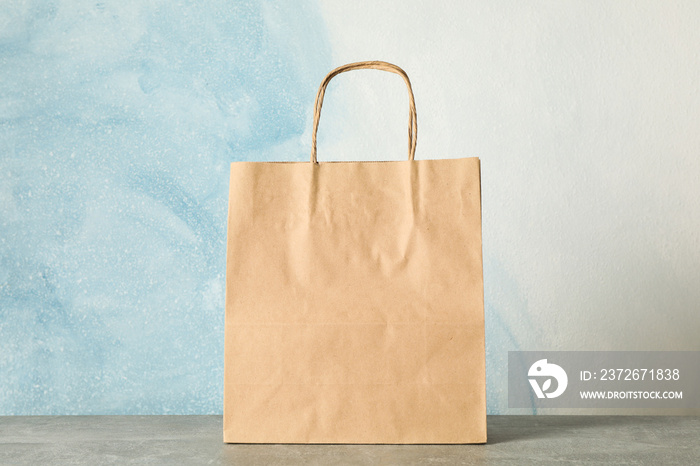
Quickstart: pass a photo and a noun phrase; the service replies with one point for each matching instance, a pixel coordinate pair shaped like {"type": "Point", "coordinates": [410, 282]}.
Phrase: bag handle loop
{"type": "Point", "coordinates": [375, 65]}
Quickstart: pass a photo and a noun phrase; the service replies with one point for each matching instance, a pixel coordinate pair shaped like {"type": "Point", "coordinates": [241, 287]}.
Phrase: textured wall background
{"type": "Point", "coordinates": [118, 121]}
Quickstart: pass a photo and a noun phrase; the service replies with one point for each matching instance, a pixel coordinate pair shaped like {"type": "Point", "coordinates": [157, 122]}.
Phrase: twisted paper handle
{"type": "Point", "coordinates": [375, 65]}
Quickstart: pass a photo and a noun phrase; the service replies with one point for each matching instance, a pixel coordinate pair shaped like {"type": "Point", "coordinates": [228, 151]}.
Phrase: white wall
{"type": "Point", "coordinates": [585, 115]}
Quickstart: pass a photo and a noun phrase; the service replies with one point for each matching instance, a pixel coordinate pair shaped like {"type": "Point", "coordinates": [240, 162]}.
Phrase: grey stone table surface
{"type": "Point", "coordinates": [178, 440]}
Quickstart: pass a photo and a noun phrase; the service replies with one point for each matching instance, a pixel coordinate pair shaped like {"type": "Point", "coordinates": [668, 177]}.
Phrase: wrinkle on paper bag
{"type": "Point", "coordinates": [354, 304]}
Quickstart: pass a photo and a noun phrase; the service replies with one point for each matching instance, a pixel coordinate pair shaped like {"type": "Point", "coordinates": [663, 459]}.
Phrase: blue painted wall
{"type": "Point", "coordinates": [118, 121]}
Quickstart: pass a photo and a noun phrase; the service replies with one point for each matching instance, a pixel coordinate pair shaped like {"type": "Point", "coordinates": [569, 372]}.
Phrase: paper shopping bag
{"type": "Point", "coordinates": [354, 299]}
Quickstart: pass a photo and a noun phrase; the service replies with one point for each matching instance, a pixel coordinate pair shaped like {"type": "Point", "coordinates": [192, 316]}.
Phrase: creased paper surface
{"type": "Point", "coordinates": [354, 303]}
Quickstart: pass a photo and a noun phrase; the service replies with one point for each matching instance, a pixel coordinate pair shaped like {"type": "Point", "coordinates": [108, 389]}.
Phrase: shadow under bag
{"type": "Point", "coordinates": [354, 299]}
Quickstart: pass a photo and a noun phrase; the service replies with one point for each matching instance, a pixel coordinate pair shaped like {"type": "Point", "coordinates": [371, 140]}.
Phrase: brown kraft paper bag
{"type": "Point", "coordinates": [354, 299]}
